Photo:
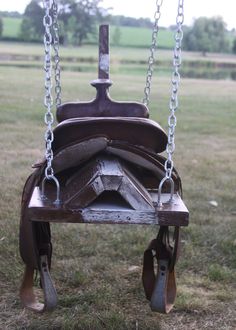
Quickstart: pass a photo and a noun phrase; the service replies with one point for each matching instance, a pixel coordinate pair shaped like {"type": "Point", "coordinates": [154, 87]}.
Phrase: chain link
{"type": "Point", "coordinates": [57, 69]}
{"type": "Point", "coordinates": [50, 38]}
{"type": "Point", "coordinates": [173, 103]}
{"type": "Point", "coordinates": [48, 100]}
{"type": "Point", "coordinates": [153, 47]}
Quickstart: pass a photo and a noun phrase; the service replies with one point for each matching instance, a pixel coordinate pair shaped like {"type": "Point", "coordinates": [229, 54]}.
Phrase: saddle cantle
{"type": "Point", "coordinates": [136, 131]}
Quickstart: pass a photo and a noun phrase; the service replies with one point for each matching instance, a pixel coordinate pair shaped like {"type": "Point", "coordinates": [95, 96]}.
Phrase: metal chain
{"type": "Point", "coordinates": [48, 100]}
{"type": "Point", "coordinates": [153, 47]}
{"type": "Point", "coordinates": [173, 104]}
{"type": "Point", "coordinates": [57, 69]}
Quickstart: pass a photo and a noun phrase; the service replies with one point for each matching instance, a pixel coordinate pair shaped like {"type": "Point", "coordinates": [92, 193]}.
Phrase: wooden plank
{"type": "Point", "coordinates": [101, 175]}
{"type": "Point", "coordinates": [174, 214]}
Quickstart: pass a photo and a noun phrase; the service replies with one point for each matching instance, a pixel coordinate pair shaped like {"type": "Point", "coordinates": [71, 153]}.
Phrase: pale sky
{"type": "Point", "coordinates": [146, 8]}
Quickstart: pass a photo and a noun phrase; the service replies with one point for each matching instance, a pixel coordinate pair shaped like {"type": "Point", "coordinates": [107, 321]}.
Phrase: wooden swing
{"type": "Point", "coordinates": [103, 166]}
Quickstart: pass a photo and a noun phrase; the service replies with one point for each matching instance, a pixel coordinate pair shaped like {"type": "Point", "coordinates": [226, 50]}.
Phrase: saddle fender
{"type": "Point", "coordinates": [35, 237]}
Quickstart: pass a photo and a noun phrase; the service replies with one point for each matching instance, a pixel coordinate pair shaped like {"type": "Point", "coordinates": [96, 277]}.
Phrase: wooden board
{"type": "Point", "coordinates": [169, 214]}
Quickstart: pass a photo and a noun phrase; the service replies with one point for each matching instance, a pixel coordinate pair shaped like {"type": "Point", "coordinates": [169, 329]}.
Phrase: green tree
{"type": "Point", "coordinates": [80, 18]}
{"type": "Point", "coordinates": [77, 19]}
{"type": "Point", "coordinates": [32, 24]}
{"type": "Point", "coordinates": [207, 35]}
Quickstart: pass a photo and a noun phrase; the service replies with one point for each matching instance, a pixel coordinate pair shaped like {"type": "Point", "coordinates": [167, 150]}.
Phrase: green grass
{"type": "Point", "coordinates": [141, 37]}
{"type": "Point", "coordinates": [11, 27]}
{"type": "Point", "coordinates": [95, 286]}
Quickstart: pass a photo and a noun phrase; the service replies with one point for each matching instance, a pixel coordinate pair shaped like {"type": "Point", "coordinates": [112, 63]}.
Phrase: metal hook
{"type": "Point", "coordinates": [172, 185]}
{"type": "Point", "coordinates": [43, 196]}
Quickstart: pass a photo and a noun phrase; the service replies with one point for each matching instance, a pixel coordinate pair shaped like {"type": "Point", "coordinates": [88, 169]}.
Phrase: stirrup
{"type": "Point", "coordinates": [164, 292]}
{"type": "Point", "coordinates": [160, 288]}
{"type": "Point", "coordinates": [27, 295]}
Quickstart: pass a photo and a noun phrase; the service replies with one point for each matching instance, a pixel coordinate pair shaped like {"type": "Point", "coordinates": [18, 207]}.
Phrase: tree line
{"type": "Point", "coordinates": [208, 35]}
{"type": "Point", "coordinates": [78, 19]}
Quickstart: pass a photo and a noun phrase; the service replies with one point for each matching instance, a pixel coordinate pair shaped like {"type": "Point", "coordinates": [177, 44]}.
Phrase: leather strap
{"type": "Point", "coordinates": [27, 294]}
{"type": "Point", "coordinates": [160, 288]}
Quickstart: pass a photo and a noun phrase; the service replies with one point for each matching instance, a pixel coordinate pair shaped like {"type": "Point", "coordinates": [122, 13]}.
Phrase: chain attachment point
{"type": "Point", "coordinates": [173, 103]}
{"type": "Point", "coordinates": [51, 26]}
{"type": "Point", "coordinates": [57, 201]}
{"type": "Point", "coordinates": [172, 186]}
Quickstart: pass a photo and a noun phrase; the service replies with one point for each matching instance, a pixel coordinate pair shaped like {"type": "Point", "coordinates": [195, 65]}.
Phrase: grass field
{"type": "Point", "coordinates": [123, 60]}
{"type": "Point", "coordinates": [141, 37]}
{"type": "Point", "coordinates": [11, 27]}
{"type": "Point", "coordinates": [97, 286]}
{"type": "Point", "coordinates": [128, 35]}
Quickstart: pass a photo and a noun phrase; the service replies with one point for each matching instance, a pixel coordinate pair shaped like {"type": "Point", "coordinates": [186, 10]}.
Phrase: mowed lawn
{"type": "Point", "coordinates": [97, 285]}
{"type": "Point", "coordinates": [11, 27]}
{"type": "Point", "coordinates": [127, 35]}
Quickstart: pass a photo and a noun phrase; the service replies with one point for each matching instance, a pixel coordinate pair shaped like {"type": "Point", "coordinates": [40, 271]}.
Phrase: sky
{"type": "Point", "coordinates": [146, 8]}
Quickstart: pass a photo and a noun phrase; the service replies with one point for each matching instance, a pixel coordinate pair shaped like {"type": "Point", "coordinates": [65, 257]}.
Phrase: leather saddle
{"type": "Point", "coordinates": [88, 150]}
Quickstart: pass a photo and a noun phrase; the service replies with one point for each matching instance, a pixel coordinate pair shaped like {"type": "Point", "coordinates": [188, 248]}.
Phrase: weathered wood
{"type": "Point", "coordinates": [103, 63]}
{"type": "Point", "coordinates": [103, 174]}
{"type": "Point", "coordinates": [174, 214]}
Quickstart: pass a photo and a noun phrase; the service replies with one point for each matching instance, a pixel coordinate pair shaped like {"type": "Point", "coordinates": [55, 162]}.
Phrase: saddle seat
{"type": "Point", "coordinates": [123, 121]}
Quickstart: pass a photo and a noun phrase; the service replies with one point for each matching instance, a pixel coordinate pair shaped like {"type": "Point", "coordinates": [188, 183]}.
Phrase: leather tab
{"type": "Point", "coordinates": [50, 294]}
{"type": "Point", "coordinates": [27, 295]}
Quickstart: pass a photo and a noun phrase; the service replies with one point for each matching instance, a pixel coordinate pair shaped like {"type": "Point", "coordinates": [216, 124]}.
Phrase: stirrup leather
{"type": "Point", "coordinates": [160, 288]}
{"type": "Point", "coordinates": [27, 294]}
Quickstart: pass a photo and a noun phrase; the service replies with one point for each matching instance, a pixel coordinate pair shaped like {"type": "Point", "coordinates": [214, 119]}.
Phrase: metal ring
{"type": "Point", "coordinates": [172, 185]}
{"type": "Point", "coordinates": [43, 196]}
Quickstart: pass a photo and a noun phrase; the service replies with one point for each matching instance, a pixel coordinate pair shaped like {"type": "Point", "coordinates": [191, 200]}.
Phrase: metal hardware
{"type": "Point", "coordinates": [57, 201]}
{"type": "Point", "coordinates": [48, 99]}
{"type": "Point", "coordinates": [151, 59]}
{"type": "Point", "coordinates": [172, 185]}
{"type": "Point", "coordinates": [173, 104]}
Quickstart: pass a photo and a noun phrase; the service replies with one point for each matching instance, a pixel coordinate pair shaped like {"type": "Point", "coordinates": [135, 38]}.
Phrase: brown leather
{"type": "Point", "coordinates": [76, 154]}
{"type": "Point", "coordinates": [137, 131]}
{"type": "Point", "coordinates": [36, 251]}
{"type": "Point", "coordinates": [27, 294]}
{"type": "Point", "coordinates": [101, 106]}
{"type": "Point", "coordinates": [35, 237]}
